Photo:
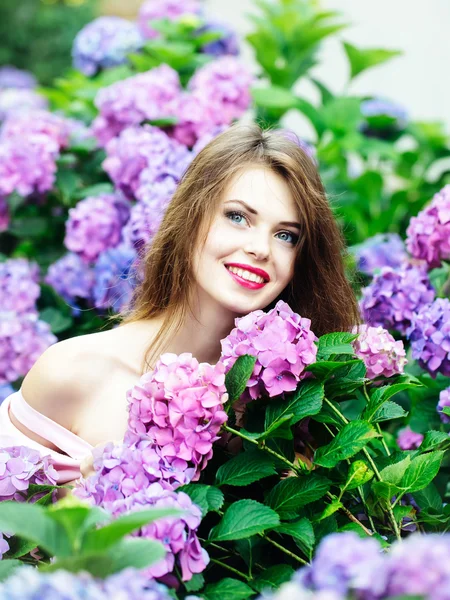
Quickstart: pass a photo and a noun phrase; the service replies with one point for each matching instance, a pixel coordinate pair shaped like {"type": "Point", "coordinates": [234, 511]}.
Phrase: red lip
{"type": "Point", "coordinates": [254, 270]}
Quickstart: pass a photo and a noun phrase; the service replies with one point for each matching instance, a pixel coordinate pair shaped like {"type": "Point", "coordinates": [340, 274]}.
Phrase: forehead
{"type": "Point", "coordinates": [264, 190]}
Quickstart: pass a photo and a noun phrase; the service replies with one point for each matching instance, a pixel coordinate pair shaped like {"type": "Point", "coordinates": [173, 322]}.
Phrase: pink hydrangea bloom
{"type": "Point", "coordinates": [20, 466]}
{"type": "Point", "coordinates": [382, 355]}
{"type": "Point", "coordinates": [4, 215]}
{"type": "Point", "coordinates": [35, 124]}
{"type": "Point", "coordinates": [407, 439]}
{"type": "Point", "coordinates": [429, 232]}
{"type": "Point", "coordinates": [444, 401]}
{"type": "Point", "coordinates": [224, 85]}
{"type": "Point", "coordinates": [283, 344]}
{"type": "Point", "coordinates": [143, 97]}
{"type": "Point", "coordinates": [19, 99]}
{"type": "Point", "coordinates": [23, 338]}
{"type": "Point", "coordinates": [164, 9]}
{"type": "Point", "coordinates": [19, 285]}
{"type": "Point", "coordinates": [179, 405]}
{"type": "Point", "coordinates": [95, 224]}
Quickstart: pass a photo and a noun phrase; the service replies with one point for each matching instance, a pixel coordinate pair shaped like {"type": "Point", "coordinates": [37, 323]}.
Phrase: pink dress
{"type": "Point", "coordinates": [72, 448]}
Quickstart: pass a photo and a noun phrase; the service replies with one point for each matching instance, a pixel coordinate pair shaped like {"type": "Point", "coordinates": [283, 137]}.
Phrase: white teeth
{"type": "Point", "coordinates": [246, 274]}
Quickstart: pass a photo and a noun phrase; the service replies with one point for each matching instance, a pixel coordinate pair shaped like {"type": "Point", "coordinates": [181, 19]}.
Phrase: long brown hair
{"type": "Point", "coordinates": [319, 290]}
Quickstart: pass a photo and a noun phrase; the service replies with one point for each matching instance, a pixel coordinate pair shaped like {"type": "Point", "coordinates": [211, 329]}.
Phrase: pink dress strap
{"type": "Point", "coordinates": [73, 449]}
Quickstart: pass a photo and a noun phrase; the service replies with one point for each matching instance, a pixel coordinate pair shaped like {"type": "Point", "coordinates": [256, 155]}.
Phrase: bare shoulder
{"type": "Point", "coordinates": [68, 374]}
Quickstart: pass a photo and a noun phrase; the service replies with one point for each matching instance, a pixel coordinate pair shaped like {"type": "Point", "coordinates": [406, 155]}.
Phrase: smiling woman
{"type": "Point", "coordinates": [248, 225]}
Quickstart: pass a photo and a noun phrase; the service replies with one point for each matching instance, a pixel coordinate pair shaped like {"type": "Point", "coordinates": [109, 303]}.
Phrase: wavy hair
{"type": "Point", "coordinates": [319, 289]}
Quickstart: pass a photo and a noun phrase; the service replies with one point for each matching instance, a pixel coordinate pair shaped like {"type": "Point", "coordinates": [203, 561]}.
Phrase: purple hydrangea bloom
{"type": "Point", "coordinates": [4, 546]}
{"type": "Point", "coordinates": [105, 42]}
{"type": "Point", "coordinates": [11, 77]}
{"type": "Point", "coordinates": [379, 107]}
{"type": "Point", "coordinates": [407, 439]}
{"type": "Point", "coordinates": [207, 137]}
{"type": "Point", "coordinates": [72, 278]}
{"type": "Point", "coordinates": [223, 85]}
{"type": "Point", "coordinates": [428, 234]}
{"type": "Point", "coordinates": [227, 44]}
{"type": "Point", "coordinates": [6, 389]}
{"type": "Point", "coordinates": [19, 287]}
{"type": "Point", "coordinates": [307, 148]}
{"type": "Point", "coordinates": [444, 401]}
{"type": "Point", "coordinates": [20, 467]}
{"type": "Point", "coordinates": [19, 99]}
{"type": "Point", "coordinates": [38, 125]}
{"type": "Point", "coordinates": [4, 214]}
{"type": "Point", "coordinates": [180, 406]}
{"type": "Point", "coordinates": [395, 295]}
{"type": "Point", "coordinates": [345, 562]}
{"type": "Point", "coordinates": [382, 355]}
{"type": "Point", "coordinates": [144, 163]}
{"type": "Point", "coordinates": [143, 97]}
{"type": "Point", "coordinates": [283, 344]}
{"type": "Point", "coordinates": [95, 225]}
{"type": "Point", "coordinates": [381, 250]}
{"type": "Point", "coordinates": [429, 334]}
{"type": "Point", "coordinates": [31, 584]}
{"type": "Point", "coordinates": [23, 338]}
{"type": "Point", "coordinates": [114, 278]}
{"type": "Point", "coordinates": [143, 224]}
{"type": "Point", "coordinates": [173, 10]}
{"type": "Point", "coordinates": [419, 566]}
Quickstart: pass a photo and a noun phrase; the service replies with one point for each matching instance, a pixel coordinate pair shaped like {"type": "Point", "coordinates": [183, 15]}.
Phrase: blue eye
{"type": "Point", "coordinates": [289, 237]}
{"type": "Point", "coordinates": [235, 216]}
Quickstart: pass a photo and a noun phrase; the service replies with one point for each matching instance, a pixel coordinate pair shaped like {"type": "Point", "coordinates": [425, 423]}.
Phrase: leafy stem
{"type": "Point", "coordinates": [377, 425]}
{"type": "Point", "coordinates": [230, 568]}
{"type": "Point", "coordinates": [283, 549]}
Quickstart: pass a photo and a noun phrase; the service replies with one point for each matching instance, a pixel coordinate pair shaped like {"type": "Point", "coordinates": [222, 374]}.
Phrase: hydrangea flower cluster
{"type": "Point", "coordinates": [12, 77]}
{"type": "Point", "coordinates": [105, 42]}
{"type": "Point", "coordinates": [4, 546]}
{"type": "Point", "coordinates": [20, 466]}
{"type": "Point", "coordinates": [173, 10]}
{"type": "Point", "coordinates": [429, 335]}
{"type": "Point", "coordinates": [407, 439]}
{"type": "Point", "coordinates": [133, 476]}
{"type": "Point", "coordinates": [282, 343]}
{"type": "Point", "coordinates": [382, 355]}
{"type": "Point", "coordinates": [144, 163]}
{"type": "Point", "coordinates": [179, 405]}
{"type": "Point", "coordinates": [227, 44]}
{"type": "Point", "coordinates": [428, 234]}
{"type": "Point", "coordinates": [23, 338]}
{"type": "Point", "coordinates": [144, 222]}
{"type": "Point", "coordinates": [395, 295]}
{"type": "Point", "coordinates": [71, 278]}
{"type": "Point", "coordinates": [380, 107]}
{"type": "Point", "coordinates": [444, 401]}
{"type": "Point", "coordinates": [381, 250]}
{"type": "Point", "coordinates": [143, 97]}
{"type": "Point", "coordinates": [347, 566]}
{"type": "Point", "coordinates": [28, 584]}
{"type": "Point", "coordinates": [95, 225]}
{"type": "Point", "coordinates": [19, 285]}
{"type": "Point", "coordinates": [114, 278]}
{"type": "Point", "coordinates": [20, 99]}
{"type": "Point", "coordinates": [4, 214]}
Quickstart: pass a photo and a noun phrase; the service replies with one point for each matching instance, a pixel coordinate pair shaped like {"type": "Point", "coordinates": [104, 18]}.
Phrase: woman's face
{"type": "Point", "coordinates": [248, 258]}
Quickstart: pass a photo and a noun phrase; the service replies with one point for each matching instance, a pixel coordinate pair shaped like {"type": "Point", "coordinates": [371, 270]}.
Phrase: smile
{"type": "Point", "coordinates": [246, 278]}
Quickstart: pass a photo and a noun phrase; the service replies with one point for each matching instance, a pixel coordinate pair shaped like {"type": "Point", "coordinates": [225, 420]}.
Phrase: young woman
{"type": "Point", "coordinates": [249, 224]}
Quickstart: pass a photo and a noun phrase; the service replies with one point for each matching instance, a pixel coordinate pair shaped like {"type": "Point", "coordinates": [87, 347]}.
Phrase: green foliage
{"type": "Point", "coordinates": [237, 377]}
{"type": "Point", "coordinates": [243, 519]}
{"type": "Point", "coordinates": [360, 59]}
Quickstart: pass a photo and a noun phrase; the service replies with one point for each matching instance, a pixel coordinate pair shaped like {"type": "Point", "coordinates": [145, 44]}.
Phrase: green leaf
{"type": "Point", "coordinates": [95, 190]}
{"type": "Point", "coordinates": [388, 411]}
{"type": "Point", "coordinates": [335, 343]}
{"type": "Point", "coordinates": [350, 440]}
{"type": "Point", "coordinates": [67, 181]}
{"type": "Point", "coordinates": [245, 468]}
{"type": "Point", "coordinates": [243, 519]}
{"type": "Point", "coordinates": [207, 497]}
{"type": "Point", "coordinates": [291, 494]}
{"type": "Point", "coordinates": [137, 553]}
{"type": "Point", "coordinates": [195, 583]}
{"type": "Point", "coordinates": [327, 368]}
{"type": "Point", "coordinates": [359, 473]}
{"type": "Point", "coordinates": [228, 589]}
{"type": "Point", "coordinates": [29, 227]}
{"type": "Point", "coordinates": [56, 319]}
{"type": "Point", "coordinates": [382, 394]}
{"type": "Point", "coordinates": [385, 491]}
{"type": "Point", "coordinates": [422, 470]}
{"type": "Point", "coordinates": [343, 115]}
{"type": "Point", "coordinates": [30, 521]}
{"type": "Point", "coordinates": [274, 97]}
{"type": "Point", "coordinates": [362, 59]}
{"type": "Point", "coordinates": [394, 473]}
{"type": "Point", "coordinates": [8, 566]}
{"type": "Point", "coordinates": [272, 578]}
{"type": "Point", "coordinates": [329, 509]}
{"type": "Point", "coordinates": [302, 532]}
{"type": "Point", "coordinates": [434, 439]}
{"type": "Point", "coordinates": [429, 498]}
{"type": "Point", "coordinates": [96, 540]}
{"type": "Point", "coordinates": [304, 402]}
{"type": "Point", "coordinates": [346, 379]}
{"type": "Point", "coordinates": [237, 377]}
{"type": "Point", "coordinates": [19, 547]}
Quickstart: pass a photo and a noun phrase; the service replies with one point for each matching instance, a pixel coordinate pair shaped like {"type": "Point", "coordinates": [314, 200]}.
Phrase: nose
{"type": "Point", "coordinates": [258, 246]}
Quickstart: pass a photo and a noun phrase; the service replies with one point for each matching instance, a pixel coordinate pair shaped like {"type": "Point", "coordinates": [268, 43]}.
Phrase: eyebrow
{"type": "Point", "coordinates": [254, 212]}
